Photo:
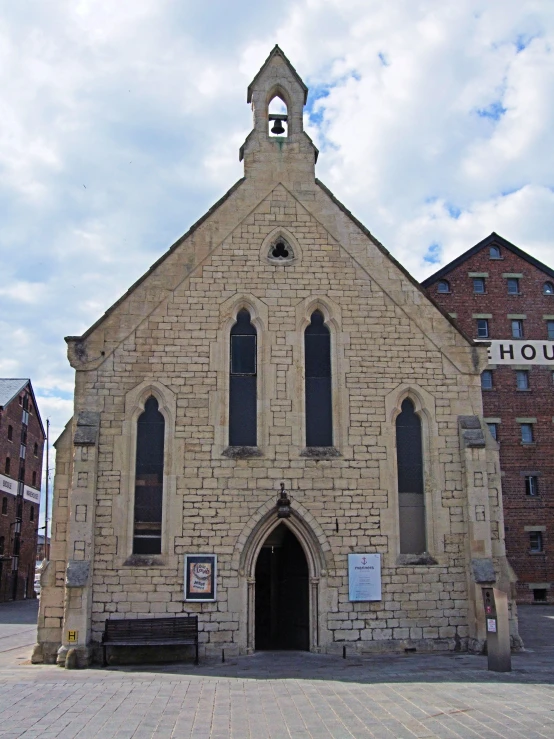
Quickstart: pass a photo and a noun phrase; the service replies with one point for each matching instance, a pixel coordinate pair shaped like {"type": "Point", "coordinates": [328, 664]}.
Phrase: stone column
{"type": "Point", "coordinates": [76, 633]}
{"type": "Point", "coordinates": [479, 542]}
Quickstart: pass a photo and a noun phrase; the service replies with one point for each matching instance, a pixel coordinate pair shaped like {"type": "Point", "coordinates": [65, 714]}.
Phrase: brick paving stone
{"type": "Point", "coordinates": [286, 696]}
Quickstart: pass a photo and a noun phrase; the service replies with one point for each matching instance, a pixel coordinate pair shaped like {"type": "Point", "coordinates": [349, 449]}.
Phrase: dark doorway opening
{"type": "Point", "coordinates": [282, 593]}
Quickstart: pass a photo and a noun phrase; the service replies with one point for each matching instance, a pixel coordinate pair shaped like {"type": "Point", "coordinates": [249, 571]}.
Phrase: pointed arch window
{"type": "Point", "coordinates": [319, 407]}
{"type": "Point", "coordinates": [409, 455]}
{"type": "Point", "coordinates": [147, 537]}
{"type": "Point", "coordinates": [242, 384]}
{"type": "Point", "coordinates": [277, 116]}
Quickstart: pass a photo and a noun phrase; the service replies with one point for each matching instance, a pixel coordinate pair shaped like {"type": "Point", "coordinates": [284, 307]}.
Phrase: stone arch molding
{"type": "Point", "coordinates": [125, 448]}
{"type": "Point", "coordinates": [302, 524]}
{"type": "Point", "coordinates": [318, 556]}
{"type": "Point", "coordinates": [436, 516]}
{"type": "Point", "coordinates": [272, 238]}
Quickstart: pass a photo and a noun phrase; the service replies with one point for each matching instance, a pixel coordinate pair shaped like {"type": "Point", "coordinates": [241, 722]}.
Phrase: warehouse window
{"type": "Point", "coordinates": [517, 329]}
{"type": "Point", "coordinates": [443, 286]}
{"type": "Point", "coordinates": [531, 485]}
{"type": "Point", "coordinates": [8, 465]}
{"type": "Point", "coordinates": [535, 541]}
{"type": "Point", "coordinates": [4, 506]}
{"type": "Point", "coordinates": [486, 380]}
{"type": "Point", "coordinates": [550, 329]}
{"type": "Point", "coordinates": [409, 456]}
{"type": "Point", "coordinates": [513, 286]}
{"type": "Point", "coordinates": [482, 328]}
{"type": "Point", "coordinates": [147, 537]}
{"type": "Point", "coordinates": [493, 428]}
{"type": "Point", "coordinates": [548, 288]}
{"type": "Point", "coordinates": [527, 436]}
{"type": "Point", "coordinates": [319, 412]}
{"type": "Point", "coordinates": [479, 285]}
{"type": "Point", "coordinates": [522, 379]}
{"type": "Point", "coordinates": [10, 433]}
{"type": "Point", "coordinates": [32, 513]}
{"type": "Point", "coordinates": [494, 252]}
{"type": "Point", "coordinates": [35, 449]}
{"type": "Point", "coordinates": [242, 384]}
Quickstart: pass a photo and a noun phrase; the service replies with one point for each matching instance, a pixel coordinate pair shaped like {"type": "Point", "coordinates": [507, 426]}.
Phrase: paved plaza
{"type": "Point", "coordinates": [281, 694]}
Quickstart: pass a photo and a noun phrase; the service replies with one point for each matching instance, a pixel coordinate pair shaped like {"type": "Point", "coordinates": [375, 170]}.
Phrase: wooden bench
{"type": "Point", "coordinates": [150, 632]}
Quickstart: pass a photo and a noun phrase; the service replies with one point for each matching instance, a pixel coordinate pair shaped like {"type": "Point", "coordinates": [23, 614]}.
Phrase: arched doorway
{"type": "Point", "coordinates": [282, 596]}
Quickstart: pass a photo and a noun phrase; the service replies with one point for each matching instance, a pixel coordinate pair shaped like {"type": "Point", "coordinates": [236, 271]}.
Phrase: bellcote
{"type": "Point", "coordinates": [278, 141]}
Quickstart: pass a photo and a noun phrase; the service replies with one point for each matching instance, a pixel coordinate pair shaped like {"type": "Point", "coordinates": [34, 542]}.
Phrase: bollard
{"type": "Point", "coordinates": [344, 652]}
{"type": "Point", "coordinates": [497, 626]}
{"type": "Point", "coordinates": [223, 655]}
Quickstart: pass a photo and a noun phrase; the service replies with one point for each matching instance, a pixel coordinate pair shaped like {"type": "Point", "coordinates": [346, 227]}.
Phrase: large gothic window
{"type": "Point", "coordinates": [319, 410]}
{"type": "Point", "coordinates": [242, 385]}
{"type": "Point", "coordinates": [147, 537]}
{"type": "Point", "coordinates": [409, 455]}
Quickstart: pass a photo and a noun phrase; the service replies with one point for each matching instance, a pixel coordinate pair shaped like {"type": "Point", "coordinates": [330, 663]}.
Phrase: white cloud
{"type": "Point", "coordinates": [122, 123]}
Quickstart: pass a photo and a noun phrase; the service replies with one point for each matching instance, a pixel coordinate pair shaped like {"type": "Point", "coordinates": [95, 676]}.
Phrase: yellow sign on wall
{"type": "Point", "coordinates": [72, 636]}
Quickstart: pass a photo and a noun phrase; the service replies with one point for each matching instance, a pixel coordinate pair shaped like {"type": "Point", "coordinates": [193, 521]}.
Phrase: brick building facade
{"type": "Point", "coordinates": [496, 291]}
{"type": "Point", "coordinates": [276, 346]}
{"type": "Point", "coordinates": [21, 448]}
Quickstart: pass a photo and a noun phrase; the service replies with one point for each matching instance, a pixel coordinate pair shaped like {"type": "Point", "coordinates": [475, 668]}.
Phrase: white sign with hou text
{"type": "Point", "coordinates": [508, 351]}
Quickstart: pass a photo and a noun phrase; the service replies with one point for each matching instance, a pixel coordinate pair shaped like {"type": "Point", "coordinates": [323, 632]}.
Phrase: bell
{"type": "Point", "coordinates": [277, 128]}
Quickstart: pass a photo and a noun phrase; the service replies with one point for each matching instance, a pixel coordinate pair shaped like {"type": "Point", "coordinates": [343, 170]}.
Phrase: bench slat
{"type": "Point", "coordinates": [182, 630]}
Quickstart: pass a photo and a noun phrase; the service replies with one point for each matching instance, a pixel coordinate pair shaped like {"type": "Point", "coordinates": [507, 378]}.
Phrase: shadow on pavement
{"type": "Point", "coordinates": [19, 611]}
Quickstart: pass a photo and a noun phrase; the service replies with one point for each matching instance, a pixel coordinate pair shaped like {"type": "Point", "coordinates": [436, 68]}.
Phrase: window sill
{"type": "Point", "coordinates": [144, 560]}
{"type": "Point", "coordinates": [528, 443]}
{"type": "Point", "coordinates": [320, 452]}
{"type": "Point", "coordinates": [534, 554]}
{"type": "Point", "coordinates": [523, 389]}
{"type": "Point", "coordinates": [416, 560]}
{"type": "Point", "coordinates": [242, 452]}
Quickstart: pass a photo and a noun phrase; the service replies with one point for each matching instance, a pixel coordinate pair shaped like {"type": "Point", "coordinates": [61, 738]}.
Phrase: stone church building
{"type": "Point", "coordinates": [275, 395]}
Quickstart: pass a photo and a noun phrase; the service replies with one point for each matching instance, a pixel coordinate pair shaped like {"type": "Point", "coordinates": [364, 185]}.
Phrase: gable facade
{"type": "Point", "coordinates": [387, 344]}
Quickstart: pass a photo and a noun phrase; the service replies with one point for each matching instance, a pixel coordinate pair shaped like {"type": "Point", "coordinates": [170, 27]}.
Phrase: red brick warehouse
{"type": "Point", "coordinates": [21, 447]}
{"type": "Point", "coordinates": [498, 293]}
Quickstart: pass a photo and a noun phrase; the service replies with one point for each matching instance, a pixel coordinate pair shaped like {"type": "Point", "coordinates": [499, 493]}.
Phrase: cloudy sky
{"type": "Point", "coordinates": [122, 121]}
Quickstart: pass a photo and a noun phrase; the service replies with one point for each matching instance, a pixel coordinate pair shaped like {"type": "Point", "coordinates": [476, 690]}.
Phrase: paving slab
{"type": "Point", "coordinates": [281, 695]}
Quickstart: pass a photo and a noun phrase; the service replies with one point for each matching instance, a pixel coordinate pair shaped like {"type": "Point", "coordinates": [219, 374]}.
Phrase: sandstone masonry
{"type": "Point", "coordinates": [168, 338]}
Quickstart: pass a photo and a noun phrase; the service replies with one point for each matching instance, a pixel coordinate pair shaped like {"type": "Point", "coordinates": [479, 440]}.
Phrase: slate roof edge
{"type": "Point", "coordinates": [159, 261]}
{"type": "Point", "coordinates": [492, 239]}
{"type": "Point", "coordinates": [26, 381]}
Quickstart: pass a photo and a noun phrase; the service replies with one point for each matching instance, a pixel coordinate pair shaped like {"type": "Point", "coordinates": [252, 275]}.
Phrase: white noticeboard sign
{"type": "Point", "coordinates": [364, 577]}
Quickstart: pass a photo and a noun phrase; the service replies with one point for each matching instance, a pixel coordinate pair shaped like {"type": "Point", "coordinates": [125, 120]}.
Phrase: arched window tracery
{"type": "Point", "coordinates": [242, 382]}
{"type": "Point", "coordinates": [411, 499]}
{"type": "Point", "coordinates": [318, 392]}
{"type": "Point", "coordinates": [149, 474]}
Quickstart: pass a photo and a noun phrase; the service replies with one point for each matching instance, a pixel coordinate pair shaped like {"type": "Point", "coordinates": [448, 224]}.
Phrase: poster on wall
{"type": "Point", "coordinates": [200, 577]}
{"type": "Point", "coordinates": [364, 577]}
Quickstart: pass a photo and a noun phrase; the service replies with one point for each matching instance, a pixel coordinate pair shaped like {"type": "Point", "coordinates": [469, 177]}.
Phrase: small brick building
{"type": "Point", "coordinates": [277, 392]}
{"type": "Point", "coordinates": [21, 447]}
{"type": "Point", "coordinates": [497, 292]}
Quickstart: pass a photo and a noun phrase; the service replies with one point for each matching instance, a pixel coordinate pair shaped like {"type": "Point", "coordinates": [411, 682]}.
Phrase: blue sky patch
{"type": "Point", "coordinates": [494, 111]}
{"type": "Point", "coordinates": [433, 253]}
